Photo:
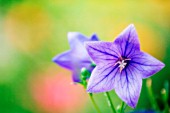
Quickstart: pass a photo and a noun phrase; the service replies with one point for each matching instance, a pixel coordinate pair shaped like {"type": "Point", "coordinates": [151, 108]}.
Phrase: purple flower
{"type": "Point", "coordinates": [120, 65]}
{"type": "Point", "coordinates": [77, 57]}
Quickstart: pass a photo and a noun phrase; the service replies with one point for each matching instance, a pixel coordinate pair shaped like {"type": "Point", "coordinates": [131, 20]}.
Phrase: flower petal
{"type": "Point", "coordinates": [128, 85]}
{"type": "Point", "coordinates": [146, 64]}
{"type": "Point", "coordinates": [77, 57]}
{"type": "Point", "coordinates": [127, 42]}
{"type": "Point", "coordinates": [76, 76]}
{"type": "Point", "coordinates": [102, 52]}
{"type": "Point", "coordinates": [94, 37]}
{"type": "Point", "coordinates": [63, 60]}
{"type": "Point", "coordinates": [76, 39]}
{"type": "Point", "coordinates": [102, 78]}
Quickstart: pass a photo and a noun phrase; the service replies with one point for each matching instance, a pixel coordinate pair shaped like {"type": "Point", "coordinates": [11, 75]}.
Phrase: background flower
{"type": "Point", "coordinates": [76, 58]}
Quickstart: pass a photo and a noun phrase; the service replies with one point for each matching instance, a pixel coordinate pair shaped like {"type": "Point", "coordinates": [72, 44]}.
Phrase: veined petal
{"type": "Point", "coordinates": [102, 78]}
{"type": "Point", "coordinates": [102, 52]}
{"type": "Point", "coordinates": [128, 86]}
{"type": "Point", "coordinates": [63, 60]}
{"type": "Point", "coordinates": [146, 64]}
{"type": "Point", "coordinates": [127, 41]}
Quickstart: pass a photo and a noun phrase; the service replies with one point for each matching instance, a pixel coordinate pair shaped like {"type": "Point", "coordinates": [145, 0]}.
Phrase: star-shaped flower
{"type": "Point", "coordinates": [77, 57]}
{"type": "Point", "coordinates": [121, 65]}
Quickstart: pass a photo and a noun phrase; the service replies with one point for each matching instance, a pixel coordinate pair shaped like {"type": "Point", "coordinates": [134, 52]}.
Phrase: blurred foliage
{"type": "Point", "coordinates": [33, 32]}
{"type": "Point", "coordinates": [6, 4]}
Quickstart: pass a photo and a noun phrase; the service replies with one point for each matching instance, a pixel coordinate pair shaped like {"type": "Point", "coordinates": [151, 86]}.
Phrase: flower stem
{"type": "Point", "coordinates": [94, 103]}
{"type": "Point", "coordinates": [110, 102]}
{"type": "Point", "coordinates": [151, 95]}
{"type": "Point", "coordinates": [122, 107]}
{"type": "Point", "coordinates": [165, 96]}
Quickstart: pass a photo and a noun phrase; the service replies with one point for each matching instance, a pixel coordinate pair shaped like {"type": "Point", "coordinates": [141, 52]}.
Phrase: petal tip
{"type": "Point", "coordinates": [71, 35]}
{"type": "Point", "coordinates": [55, 59]}
{"type": "Point", "coordinates": [132, 25]}
{"type": "Point", "coordinates": [163, 65]}
{"type": "Point", "coordinates": [94, 37]}
{"type": "Point", "coordinates": [132, 104]}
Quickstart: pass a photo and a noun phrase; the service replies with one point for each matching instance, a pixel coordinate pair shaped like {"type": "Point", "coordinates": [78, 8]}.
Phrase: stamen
{"type": "Point", "coordinates": [127, 59]}
{"type": "Point", "coordinates": [122, 63]}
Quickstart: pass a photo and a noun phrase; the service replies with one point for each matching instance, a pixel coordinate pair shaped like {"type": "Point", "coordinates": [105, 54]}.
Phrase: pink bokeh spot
{"type": "Point", "coordinates": [56, 93]}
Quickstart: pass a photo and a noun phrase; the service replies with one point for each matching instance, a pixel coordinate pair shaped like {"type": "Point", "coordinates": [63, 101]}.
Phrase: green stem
{"type": "Point", "coordinates": [94, 103]}
{"type": "Point", "coordinates": [125, 107]}
{"type": "Point", "coordinates": [165, 100]}
{"type": "Point", "coordinates": [110, 102]}
{"type": "Point", "coordinates": [151, 95]}
{"type": "Point", "coordinates": [122, 108]}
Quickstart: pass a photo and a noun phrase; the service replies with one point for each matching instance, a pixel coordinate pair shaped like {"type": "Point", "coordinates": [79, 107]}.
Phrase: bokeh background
{"type": "Point", "coordinates": [32, 32]}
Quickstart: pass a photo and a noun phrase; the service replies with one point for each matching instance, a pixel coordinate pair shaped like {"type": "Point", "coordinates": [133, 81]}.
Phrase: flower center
{"type": "Point", "coordinates": [122, 63]}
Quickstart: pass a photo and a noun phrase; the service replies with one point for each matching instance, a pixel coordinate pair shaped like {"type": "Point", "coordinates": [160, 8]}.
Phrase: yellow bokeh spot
{"type": "Point", "coordinates": [27, 26]}
{"type": "Point", "coordinates": [151, 42]}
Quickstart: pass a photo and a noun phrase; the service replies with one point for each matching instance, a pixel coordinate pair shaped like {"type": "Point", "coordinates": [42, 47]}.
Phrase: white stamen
{"type": "Point", "coordinates": [122, 64]}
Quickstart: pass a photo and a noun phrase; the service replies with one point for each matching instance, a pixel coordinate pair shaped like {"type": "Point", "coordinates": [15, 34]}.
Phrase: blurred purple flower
{"type": "Point", "coordinates": [77, 57]}
{"type": "Point", "coordinates": [120, 65]}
